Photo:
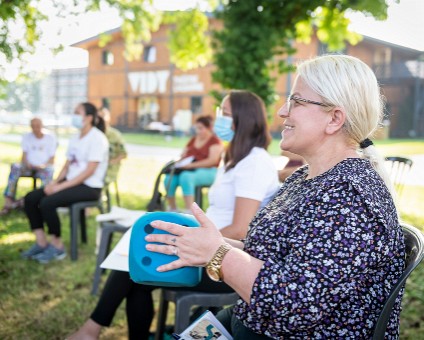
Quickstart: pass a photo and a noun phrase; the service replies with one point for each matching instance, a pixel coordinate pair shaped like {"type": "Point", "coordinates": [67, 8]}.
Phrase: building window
{"type": "Point", "coordinates": [196, 105]}
{"type": "Point", "coordinates": [106, 103]}
{"type": "Point", "coordinates": [149, 54]}
{"type": "Point", "coordinates": [107, 58]}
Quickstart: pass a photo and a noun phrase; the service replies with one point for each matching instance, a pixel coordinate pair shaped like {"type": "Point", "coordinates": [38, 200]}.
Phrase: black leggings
{"type": "Point", "coordinates": [41, 208]}
{"type": "Point", "coordinates": [139, 306]}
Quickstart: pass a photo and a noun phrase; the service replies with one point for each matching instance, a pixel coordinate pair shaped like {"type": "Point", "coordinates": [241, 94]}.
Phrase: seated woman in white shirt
{"type": "Point", "coordinates": [81, 179]}
{"type": "Point", "coordinates": [246, 182]}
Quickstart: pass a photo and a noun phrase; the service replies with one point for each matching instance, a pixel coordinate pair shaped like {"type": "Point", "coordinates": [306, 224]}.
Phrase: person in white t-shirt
{"type": "Point", "coordinates": [38, 151]}
{"type": "Point", "coordinates": [247, 182]}
{"type": "Point", "coordinates": [81, 179]}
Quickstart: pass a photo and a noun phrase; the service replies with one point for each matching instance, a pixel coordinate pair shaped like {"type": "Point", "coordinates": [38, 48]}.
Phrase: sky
{"type": "Point", "coordinates": [403, 27]}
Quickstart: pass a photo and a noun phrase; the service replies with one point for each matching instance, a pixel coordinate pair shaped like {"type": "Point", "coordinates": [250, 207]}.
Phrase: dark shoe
{"type": "Point", "coordinates": [49, 254]}
{"type": "Point", "coordinates": [33, 251]}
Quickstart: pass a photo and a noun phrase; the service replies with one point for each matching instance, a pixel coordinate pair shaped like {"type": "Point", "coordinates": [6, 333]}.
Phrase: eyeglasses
{"type": "Point", "coordinates": [298, 99]}
{"type": "Point", "coordinates": [220, 112]}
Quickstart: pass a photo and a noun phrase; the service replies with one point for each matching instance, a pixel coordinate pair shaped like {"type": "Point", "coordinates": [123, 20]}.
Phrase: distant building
{"type": "Point", "coordinates": [62, 90]}
{"type": "Point", "coordinates": [152, 89]}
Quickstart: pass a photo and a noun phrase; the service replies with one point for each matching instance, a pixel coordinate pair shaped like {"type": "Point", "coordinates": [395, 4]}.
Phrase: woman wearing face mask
{"type": "Point", "coordinates": [246, 183]}
{"type": "Point", "coordinates": [81, 179]}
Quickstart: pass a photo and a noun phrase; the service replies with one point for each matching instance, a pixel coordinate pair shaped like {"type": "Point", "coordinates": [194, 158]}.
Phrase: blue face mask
{"type": "Point", "coordinates": [77, 121]}
{"type": "Point", "coordinates": [222, 128]}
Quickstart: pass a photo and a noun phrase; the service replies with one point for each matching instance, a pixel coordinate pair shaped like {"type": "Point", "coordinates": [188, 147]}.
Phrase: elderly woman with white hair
{"type": "Point", "coordinates": [320, 259]}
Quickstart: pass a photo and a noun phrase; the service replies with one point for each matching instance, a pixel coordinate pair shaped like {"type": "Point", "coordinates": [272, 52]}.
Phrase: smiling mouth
{"type": "Point", "coordinates": [288, 127]}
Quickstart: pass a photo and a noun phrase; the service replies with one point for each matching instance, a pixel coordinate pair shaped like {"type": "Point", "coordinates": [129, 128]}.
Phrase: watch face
{"type": "Point", "coordinates": [213, 274]}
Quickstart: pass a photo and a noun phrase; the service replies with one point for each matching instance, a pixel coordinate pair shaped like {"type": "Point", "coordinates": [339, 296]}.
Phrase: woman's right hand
{"type": "Point", "coordinates": [193, 246]}
{"type": "Point", "coordinates": [52, 188]}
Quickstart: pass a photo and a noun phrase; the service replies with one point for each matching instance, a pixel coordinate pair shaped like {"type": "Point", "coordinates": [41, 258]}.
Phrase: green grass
{"type": "Point", "coordinates": [51, 301]}
{"type": "Point", "coordinates": [156, 139]}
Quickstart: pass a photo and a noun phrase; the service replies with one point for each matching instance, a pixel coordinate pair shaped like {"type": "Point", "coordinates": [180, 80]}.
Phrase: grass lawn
{"type": "Point", "coordinates": [51, 301]}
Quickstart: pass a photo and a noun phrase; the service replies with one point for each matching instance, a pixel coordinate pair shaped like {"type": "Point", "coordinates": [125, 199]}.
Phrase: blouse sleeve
{"type": "Point", "coordinates": [333, 240]}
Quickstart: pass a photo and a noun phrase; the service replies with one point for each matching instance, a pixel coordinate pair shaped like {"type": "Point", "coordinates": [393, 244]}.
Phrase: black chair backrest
{"type": "Point", "coordinates": [398, 168]}
{"type": "Point", "coordinates": [414, 250]}
{"type": "Point", "coordinates": [157, 202]}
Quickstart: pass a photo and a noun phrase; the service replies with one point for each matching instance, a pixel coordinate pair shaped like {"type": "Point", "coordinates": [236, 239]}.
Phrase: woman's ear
{"type": "Point", "coordinates": [337, 120]}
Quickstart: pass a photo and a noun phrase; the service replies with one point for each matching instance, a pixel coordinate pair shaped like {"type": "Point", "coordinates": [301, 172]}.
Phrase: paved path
{"type": "Point", "coordinates": [163, 154]}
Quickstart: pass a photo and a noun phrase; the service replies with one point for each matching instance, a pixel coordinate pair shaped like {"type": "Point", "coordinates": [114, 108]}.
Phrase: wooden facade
{"type": "Point", "coordinates": [152, 89]}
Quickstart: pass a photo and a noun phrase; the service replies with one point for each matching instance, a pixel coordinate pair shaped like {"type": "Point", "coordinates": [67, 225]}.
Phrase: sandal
{"type": "Point", "coordinates": [19, 204]}
{"type": "Point", "coordinates": [5, 210]}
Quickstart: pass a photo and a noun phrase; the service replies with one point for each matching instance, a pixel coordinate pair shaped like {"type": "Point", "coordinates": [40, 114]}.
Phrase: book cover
{"type": "Point", "coordinates": [206, 327]}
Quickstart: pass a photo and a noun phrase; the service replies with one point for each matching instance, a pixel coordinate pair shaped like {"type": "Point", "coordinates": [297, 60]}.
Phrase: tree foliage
{"type": "Point", "coordinates": [140, 18]}
{"type": "Point", "coordinates": [189, 29]}
{"type": "Point", "coordinates": [258, 33]}
{"type": "Point", "coordinates": [15, 14]}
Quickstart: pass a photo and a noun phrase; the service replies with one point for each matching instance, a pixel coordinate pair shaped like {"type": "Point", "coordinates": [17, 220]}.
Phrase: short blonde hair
{"type": "Point", "coordinates": [347, 82]}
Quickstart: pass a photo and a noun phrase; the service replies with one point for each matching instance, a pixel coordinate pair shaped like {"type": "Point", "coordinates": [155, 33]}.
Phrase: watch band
{"type": "Point", "coordinates": [213, 268]}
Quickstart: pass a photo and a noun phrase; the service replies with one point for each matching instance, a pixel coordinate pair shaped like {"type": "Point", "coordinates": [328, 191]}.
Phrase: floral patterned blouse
{"type": "Point", "coordinates": [332, 249]}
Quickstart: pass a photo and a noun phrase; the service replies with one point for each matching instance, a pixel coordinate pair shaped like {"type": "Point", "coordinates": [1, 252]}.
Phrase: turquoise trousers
{"type": "Point", "coordinates": [189, 180]}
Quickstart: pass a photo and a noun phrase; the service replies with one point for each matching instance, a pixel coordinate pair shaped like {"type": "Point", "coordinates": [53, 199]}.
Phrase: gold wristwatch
{"type": "Point", "coordinates": [213, 268]}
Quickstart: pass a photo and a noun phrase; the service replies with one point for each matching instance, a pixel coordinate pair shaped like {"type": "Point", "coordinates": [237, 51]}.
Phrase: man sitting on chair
{"type": "Point", "coordinates": [38, 150]}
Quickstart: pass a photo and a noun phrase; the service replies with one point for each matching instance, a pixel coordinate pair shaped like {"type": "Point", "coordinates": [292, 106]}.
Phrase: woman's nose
{"type": "Point", "coordinates": [283, 112]}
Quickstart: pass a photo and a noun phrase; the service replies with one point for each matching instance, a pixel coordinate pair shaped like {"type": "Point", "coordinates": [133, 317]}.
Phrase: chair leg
{"type": "Point", "coordinates": [182, 315]}
{"type": "Point", "coordinates": [198, 196]}
{"type": "Point", "coordinates": [201, 198]}
{"type": "Point", "coordinates": [107, 198]}
{"type": "Point", "coordinates": [100, 207]}
{"type": "Point", "coordinates": [75, 214]}
{"type": "Point", "coordinates": [83, 226]}
{"type": "Point", "coordinates": [105, 242]}
{"type": "Point", "coordinates": [118, 201]}
{"type": "Point", "coordinates": [161, 322]}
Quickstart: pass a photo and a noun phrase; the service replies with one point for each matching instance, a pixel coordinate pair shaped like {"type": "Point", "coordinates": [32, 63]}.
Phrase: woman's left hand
{"type": "Point", "coordinates": [52, 188]}
{"type": "Point", "coordinates": [193, 246]}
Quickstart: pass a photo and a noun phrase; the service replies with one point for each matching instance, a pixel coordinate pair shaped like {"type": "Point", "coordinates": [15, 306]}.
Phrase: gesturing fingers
{"type": "Point", "coordinates": [174, 250]}
{"type": "Point", "coordinates": [169, 250]}
{"type": "Point", "coordinates": [199, 214]}
{"type": "Point", "coordinates": [162, 238]}
{"type": "Point", "coordinates": [162, 248]}
{"type": "Point", "coordinates": [171, 266]}
{"type": "Point", "coordinates": [171, 228]}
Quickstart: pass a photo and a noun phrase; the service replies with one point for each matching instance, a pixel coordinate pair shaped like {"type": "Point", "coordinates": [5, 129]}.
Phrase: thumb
{"type": "Point", "coordinates": [200, 216]}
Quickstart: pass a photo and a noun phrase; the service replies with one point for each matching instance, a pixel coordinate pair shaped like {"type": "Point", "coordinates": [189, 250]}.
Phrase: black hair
{"type": "Point", "coordinates": [250, 126]}
{"type": "Point", "coordinates": [97, 121]}
{"type": "Point", "coordinates": [205, 121]}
